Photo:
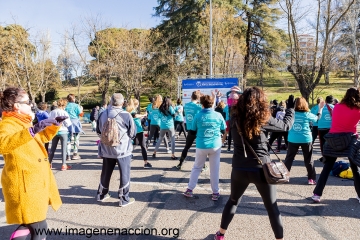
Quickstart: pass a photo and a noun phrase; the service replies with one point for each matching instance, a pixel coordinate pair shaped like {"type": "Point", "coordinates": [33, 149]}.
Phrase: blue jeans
{"type": "Point", "coordinates": [106, 172]}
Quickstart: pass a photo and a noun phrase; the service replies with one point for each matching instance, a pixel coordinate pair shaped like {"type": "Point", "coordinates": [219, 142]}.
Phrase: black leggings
{"type": "Point", "coordinates": [141, 141]}
{"type": "Point", "coordinates": [314, 133]}
{"type": "Point", "coordinates": [240, 180]}
{"type": "Point", "coordinates": [182, 127]}
{"type": "Point", "coordinates": [324, 175]}
{"type": "Point", "coordinates": [188, 143]}
{"type": "Point", "coordinates": [37, 231]}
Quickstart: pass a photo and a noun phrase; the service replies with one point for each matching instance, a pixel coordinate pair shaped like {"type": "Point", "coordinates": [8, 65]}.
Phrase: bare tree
{"type": "Point", "coordinates": [308, 76]}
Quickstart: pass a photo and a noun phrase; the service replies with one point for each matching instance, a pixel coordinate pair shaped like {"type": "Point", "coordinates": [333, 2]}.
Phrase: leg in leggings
{"type": "Point", "coordinates": [314, 133]}
{"type": "Point", "coordinates": [308, 161]}
{"type": "Point", "coordinates": [322, 133]}
{"type": "Point", "coordinates": [189, 141]}
{"type": "Point", "coordinates": [279, 139]}
{"type": "Point", "coordinates": [54, 143]}
{"type": "Point", "coordinates": [268, 195]}
{"type": "Point", "coordinates": [229, 141]}
{"type": "Point", "coordinates": [183, 128]}
{"type": "Point", "coordinates": [356, 174]}
{"type": "Point", "coordinates": [171, 133]}
{"type": "Point", "coordinates": [63, 140]}
{"type": "Point", "coordinates": [37, 231]}
{"type": "Point", "coordinates": [329, 163]}
{"type": "Point", "coordinates": [162, 135]}
{"type": "Point", "coordinates": [140, 137]}
{"type": "Point", "coordinates": [286, 139]}
{"type": "Point", "coordinates": [273, 136]}
{"type": "Point", "coordinates": [290, 155]}
{"type": "Point", "coordinates": [239, 182]}
{"type": "Point", "coordinates": [151, 134]}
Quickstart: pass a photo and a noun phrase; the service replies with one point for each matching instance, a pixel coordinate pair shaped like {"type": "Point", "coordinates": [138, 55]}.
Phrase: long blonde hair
{"type": "Point", "coordinates": [133, 103]}
{"type": "Point", "coordinates": [157, 102]}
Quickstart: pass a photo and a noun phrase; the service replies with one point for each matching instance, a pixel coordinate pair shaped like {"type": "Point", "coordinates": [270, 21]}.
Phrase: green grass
{"type": "Point", "coordinates": [275, 89]}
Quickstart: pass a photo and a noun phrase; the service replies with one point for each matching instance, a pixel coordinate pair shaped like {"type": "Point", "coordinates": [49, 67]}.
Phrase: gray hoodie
{"type": "Point", "coordinates": [127, 130]}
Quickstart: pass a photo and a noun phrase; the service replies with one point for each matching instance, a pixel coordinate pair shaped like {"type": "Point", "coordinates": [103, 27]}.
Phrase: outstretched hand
{"type": "Point", "coordinates": [43, 124]}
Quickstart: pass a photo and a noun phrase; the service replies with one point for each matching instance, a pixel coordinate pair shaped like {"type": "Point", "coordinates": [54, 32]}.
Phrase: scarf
{"type": "Point", "coordinates": [22, 117]}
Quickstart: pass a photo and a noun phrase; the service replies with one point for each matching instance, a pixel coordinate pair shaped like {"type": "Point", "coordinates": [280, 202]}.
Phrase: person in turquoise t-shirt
{"type": "Point", "coordinates": [132, 107]}
{"type": "Point", "coordinates": [208, 126]}
{"type": "Point", "coordinates": [191, 109]}
{"type": "Point", "coordinates": [167, 114]}
{"type": "Point", "coordinates": [179, 117]}
{"type": "Point", "coordinates": [74, 111]}
{"type": "Point", "coordinates": [300, 136]}
{"type": "Point", "coordinates": [149, 109]}
{"type": "Point", "coordinates": [155, 123]}
{"type": "Point", "coordinates": [324, 122]}
{"type": "Point", "coordinates": [315, 110]}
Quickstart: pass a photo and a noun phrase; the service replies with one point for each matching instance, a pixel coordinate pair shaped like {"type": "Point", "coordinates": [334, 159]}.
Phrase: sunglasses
{"type": "Point", "coordinates": [28, 102]}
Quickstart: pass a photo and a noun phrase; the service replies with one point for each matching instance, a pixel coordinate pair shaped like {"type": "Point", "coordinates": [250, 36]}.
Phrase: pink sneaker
{"type": "Point", "coordinates": [218, 237]}
{"type": "Point", "coordinates": [311, 182]}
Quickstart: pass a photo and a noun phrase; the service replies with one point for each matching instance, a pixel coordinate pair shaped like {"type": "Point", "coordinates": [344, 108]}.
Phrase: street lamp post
{"type": "Point", "coordinates": [211, 35]}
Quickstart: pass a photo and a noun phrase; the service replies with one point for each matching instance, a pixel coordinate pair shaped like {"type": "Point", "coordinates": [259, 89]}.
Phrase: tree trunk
{"type": "Point", "coordinates": [247, 55]}
{"type": "Point", "coordinates": [43, 96]}
{"type": "Point", "coordinates": [356, 76]}
{"type": "Point", "coordinates": [137, 96]}
{"type": "Point", "coordinates": [327, 81]}
{"type": "Point", "coordinates": [105, 89]}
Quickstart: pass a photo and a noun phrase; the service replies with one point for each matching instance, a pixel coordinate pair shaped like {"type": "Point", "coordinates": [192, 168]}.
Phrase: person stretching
{"type": "Point", "coordinates": [207, 126]}
{"type": "Point", "coordinates": [167, 114]}
{"type": "Point", "coordinates": [132, 109]}
{"type": "Point", "coordinates": [251, 116]}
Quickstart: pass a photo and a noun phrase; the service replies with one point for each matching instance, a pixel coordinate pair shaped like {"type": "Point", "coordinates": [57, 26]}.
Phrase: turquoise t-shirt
{"type": "Point", "coordinates": [314, 110]}
{"type": "Point", "coordinates": [191, 109]}
{"type": "Point", "coordinates": [227, 113]}
{"type": "Point", "coordinates": [149, 110]}
{"type": "Point", "coordinates": [208, 125]}
{"type": "Point", "coordinates": [73, 110]}
{"type": "Point", "coordinates": [325, 120]}
{"type": "Point", "coordinates": [179, 113]}
{"type": "Point", "coordinates": [167, 121]}
{"type": "Point", "coordinates": [138, 125]}
{"type": "Point", "coordinates": [300, 131]}
{"type": "Point", "coordinates": [155, 117]}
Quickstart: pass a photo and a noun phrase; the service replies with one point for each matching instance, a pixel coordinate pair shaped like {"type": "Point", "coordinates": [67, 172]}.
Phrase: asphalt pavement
{"type": "Point", "coordinates": [162, 212]}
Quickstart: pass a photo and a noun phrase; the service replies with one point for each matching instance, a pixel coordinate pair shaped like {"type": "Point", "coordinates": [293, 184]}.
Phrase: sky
{"type": "Point", "coordinates": [55, 16]}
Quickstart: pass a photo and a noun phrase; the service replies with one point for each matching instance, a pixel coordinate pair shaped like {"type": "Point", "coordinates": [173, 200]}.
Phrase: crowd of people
{"type": "Point", "coordinates": [245, 116]}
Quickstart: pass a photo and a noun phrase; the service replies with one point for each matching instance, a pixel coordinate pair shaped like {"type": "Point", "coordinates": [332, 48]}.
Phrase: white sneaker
{"type": "Point", "coordinates": [169, 151]}
{"type": "Point", "coordinates": [316, 198]}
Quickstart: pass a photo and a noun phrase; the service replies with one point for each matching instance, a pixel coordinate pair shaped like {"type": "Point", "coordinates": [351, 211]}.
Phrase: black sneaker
{"type": "Point", "coordinates": [174, 158]}
{"type": "Point", "coordinates": [154, 155]}
{"type": "Point", "coordinates": [179, 166]}
{"type": "Point", "coordinates": [147, 165]}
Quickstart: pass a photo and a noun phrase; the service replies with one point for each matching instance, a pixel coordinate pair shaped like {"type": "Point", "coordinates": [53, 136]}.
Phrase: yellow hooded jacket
{"type": "Point", "coordinates": [28, 183]}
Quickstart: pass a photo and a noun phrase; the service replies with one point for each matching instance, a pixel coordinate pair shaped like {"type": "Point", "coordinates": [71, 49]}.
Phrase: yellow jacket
{"type": "Point", "coordinates": [28, 183]}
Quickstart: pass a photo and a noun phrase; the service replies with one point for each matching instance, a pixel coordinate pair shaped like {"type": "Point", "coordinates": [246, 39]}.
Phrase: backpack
{"type": "Point", "coordinates": [110, 132]}
{"type": "Point", "coordinates": [339, 167]}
